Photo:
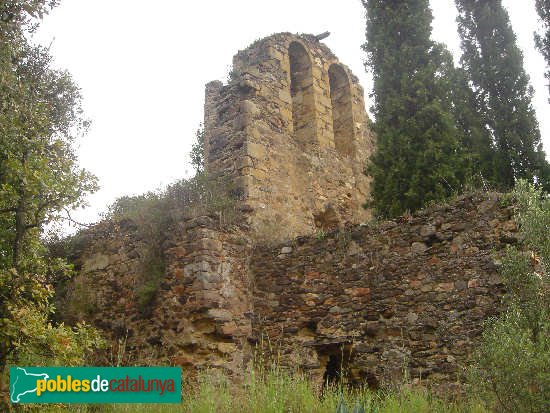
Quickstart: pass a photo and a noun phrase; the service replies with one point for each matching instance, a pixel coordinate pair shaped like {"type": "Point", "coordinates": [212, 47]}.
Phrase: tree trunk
{"type": "Point", "coordinates": [20, 229]}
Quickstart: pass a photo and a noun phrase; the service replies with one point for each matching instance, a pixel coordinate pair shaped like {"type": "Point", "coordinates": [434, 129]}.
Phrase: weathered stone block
{"type": "Point", "coordinates": [219, 314]}
{"type": "Point", "coordinates": [95, 263]}
{"type": "Point", "coordinates": [418, 247]}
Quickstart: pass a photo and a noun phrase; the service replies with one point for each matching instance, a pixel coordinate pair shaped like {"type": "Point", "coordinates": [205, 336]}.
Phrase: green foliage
{"type": "Point", "coordinates": [150, 213]}
{"type": "Point", "coordinates": [40, 117]}
{"type": "Point", "coordinates": [233, 74]}
{"type": "Point", "coordinates": [419, 156]}
{"type": "Point", "coordinates": [475, 138]}
{"type": "Point", "coordinates": [320, 235]}
{"type": "Point", "coordinates": [276, 390]}
{"type": "Point", "coordinates": [197, 151]}
{"type": "Point", "coordinates": [494, 65]}
{"type": "Point", "coordinates": [542, 40]}
{"type": "Point", "coordinates": [146, 294]}
{"type": "Point", "coordinates": [32, 339]}
{"type": "Point", "coordinates": [19, 15]}
{"type": "Point", "coordinates": [512, 365]}
{"type": "Point", "coordinates": [154, 213]}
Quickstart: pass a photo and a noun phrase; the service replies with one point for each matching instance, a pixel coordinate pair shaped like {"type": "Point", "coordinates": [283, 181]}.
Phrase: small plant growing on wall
{"type": "Point", "coordinates": [320, 235]}
{"type": "Point", "coordinates": [146, 292]}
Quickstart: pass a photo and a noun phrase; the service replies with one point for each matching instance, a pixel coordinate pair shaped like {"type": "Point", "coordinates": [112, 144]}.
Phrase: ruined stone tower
{"type": "Point", "coordinates": [291, 129]}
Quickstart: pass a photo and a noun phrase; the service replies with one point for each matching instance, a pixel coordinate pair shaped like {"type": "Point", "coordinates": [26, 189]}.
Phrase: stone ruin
{"type": "Point", "coordinates": [291, 129]}
{"type": "Point", "coordinates": [335, 298]}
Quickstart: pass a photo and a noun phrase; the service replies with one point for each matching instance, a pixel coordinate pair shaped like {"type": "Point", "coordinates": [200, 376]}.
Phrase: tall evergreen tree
{"type": "Point", "coordinates": [542, 40]}
{"type": "Point", "coordinates": [418, 156]}
{"type": "Point", "coordinates": [494, 65]}
{"type": "Point", "coordinates": [474, 136]}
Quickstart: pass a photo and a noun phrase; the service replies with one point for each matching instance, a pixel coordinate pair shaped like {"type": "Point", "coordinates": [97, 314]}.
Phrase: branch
{"type": "Point", "coordinates": [70, 219]}
{"type": "Point", "coordinates": [12, 209]}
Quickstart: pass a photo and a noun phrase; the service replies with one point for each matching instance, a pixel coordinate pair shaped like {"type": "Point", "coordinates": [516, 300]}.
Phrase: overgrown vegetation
{"type": "Point", "coordinates": [512, 366]}
{"type": "Point", "coordinates": [277, 391]}
{"type": "Point", "coordinates": [152, 273]}
{"type": "Point", "coordinates": [197, 151]}
{"type": "Point", "coordinates": [438, 128]}
{"type": "Point", "coordinates": [154, 214]}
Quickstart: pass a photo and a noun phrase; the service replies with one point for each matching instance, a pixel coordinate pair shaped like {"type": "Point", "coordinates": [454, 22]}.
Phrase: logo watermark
{"type": "Point", "coordinates": [95, 384]}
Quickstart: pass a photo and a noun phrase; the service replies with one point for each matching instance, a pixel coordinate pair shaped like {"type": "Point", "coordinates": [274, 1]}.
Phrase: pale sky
{"type": "Point", "coordinates": [142, 67]}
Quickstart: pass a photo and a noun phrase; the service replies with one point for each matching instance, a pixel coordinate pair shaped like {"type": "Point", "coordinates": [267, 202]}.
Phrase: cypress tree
{"type": "Point", "coordinates": [474, 136]}
{"type": "Point", "coordinates": [418, 156]}
{"type": "Point", "coordinates": [542, 40]}
{"type": "Point", "coordinates": [494, 65]}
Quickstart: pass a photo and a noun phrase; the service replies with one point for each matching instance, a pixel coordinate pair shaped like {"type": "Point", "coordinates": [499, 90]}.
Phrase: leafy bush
{"type": "Point", "coordinates": [197, 151]}
{"type": "Point", "coordinates": [512, 365]}
{"type": "Point", "coordinates": [27, 335]}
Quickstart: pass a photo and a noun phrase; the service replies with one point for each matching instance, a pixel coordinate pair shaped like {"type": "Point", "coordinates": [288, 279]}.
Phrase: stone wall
{"type": "Point", "coordinates": [197, 314]}
{"type": "Point", "coordinates": [408, 295]}
{"type": "Point", "coordinates": [290, 127]}
{"type": "Point", "coordinates": [369, 302]}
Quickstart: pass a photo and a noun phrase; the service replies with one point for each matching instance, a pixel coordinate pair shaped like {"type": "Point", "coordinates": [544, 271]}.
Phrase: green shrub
{"type": "Point", "coordinates": [155, 212]}
{"type": "Point", "coordinates": [512, 366]}
{"type": "Point", "coordinates": [27, 335]}
{"type": "Point", "coordinates": [320, 235]}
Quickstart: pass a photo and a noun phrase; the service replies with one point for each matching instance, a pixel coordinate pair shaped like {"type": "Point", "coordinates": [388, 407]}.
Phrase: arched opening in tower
{"type": "Point", "coordinates": [342, 114]}
{"type": "Point", "coordinates": [301, 91]}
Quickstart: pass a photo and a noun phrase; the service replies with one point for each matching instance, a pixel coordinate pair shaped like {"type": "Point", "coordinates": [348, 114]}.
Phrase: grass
{"type": "Point", "coordinates": [277, 391]}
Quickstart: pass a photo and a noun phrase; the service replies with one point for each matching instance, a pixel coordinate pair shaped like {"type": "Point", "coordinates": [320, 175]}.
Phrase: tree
{"type": "Point", "coordinates": [19, 15]}
{"type": "Point", "coordinates": [40, 117]}
{"type": "Point", "coordinates": [39, 175]}
{"type": "Point", "coordinates": [197, 151]}
{"type": "Point", "coordinates": [419, 156]}
{"type": "Point", "coordinates": [512, 364]}
{"type": "Point", "coordinates": [494, 66]}
{"type": "Point", "coordinates": [542, 40]}
{"type": "Point", "coordinates": [475, 138]}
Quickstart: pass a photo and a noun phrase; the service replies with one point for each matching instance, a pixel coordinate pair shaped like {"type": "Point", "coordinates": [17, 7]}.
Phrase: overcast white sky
{"type": "Point", "coordinates": [142, 67]}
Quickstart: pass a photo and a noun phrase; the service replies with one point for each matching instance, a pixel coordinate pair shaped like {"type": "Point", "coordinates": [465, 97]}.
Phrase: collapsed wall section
{"type": "Point", "coordinates": [407, 296]}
